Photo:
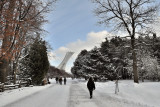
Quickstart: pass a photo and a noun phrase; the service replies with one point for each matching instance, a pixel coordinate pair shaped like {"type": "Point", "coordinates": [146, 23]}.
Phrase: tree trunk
{"type": "Point", "coordinates": [134, 60]}
{"type": "Point", "coordinates": [3, 71]}
{"type": "Point", "coordinates": [4, 59]}
{"type": "Point", "coordinates": [15, 71]}
{"type": "Point", "coordinates": [142, 76]}
{"type": "Point", "coordinates": [142, 79]}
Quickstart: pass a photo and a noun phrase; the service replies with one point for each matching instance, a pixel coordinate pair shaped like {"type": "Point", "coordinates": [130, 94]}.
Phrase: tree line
{"type": "Point", "coordinates": [54, 72]}
{"type": "Point", "coordinates": [130, 16]}
{"type": "Point", "coordinates": [113, 59]}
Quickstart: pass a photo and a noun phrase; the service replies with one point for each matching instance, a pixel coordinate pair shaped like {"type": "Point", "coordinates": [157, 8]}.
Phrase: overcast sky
{"type": "Point", "coordinates": [73, 27]}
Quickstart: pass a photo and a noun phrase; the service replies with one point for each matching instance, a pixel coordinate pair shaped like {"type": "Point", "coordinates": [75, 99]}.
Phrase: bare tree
{"type": "Point", "coordinates": [127, 15]}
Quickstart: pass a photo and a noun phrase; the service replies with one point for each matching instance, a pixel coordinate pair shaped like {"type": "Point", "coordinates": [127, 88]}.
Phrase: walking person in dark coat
{"type": "Point", "coordinates": [56, 79]}
{"type": "Point", "coordinates": [60, 80]}
{"type": "Point", "coordinates": [65, 80]}
{"type": "Point", "coordinates": [91, 86]}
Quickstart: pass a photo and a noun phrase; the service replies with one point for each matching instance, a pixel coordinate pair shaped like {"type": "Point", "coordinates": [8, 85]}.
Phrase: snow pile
{"type": "Point", "coordinates": [146, 93]}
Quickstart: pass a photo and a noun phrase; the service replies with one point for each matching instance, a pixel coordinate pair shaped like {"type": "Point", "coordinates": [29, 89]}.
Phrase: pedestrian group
{"type": "Point", "coordinates": [60, 80]}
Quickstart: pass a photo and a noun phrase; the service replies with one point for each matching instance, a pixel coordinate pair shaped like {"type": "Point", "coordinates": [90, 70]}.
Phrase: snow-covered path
{"type": "Point", "coordinates": [79, 97]}
{"type": "Point", "coordinates": [75, 94]}
{"type": "Point", "coordinates": [54, 96]}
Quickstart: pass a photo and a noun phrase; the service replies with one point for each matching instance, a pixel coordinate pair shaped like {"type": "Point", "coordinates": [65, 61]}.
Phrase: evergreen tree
{"type": "Point", "coordinates": [79, 62]}
{"type": "Point", "coordinates": [36, 64]}
{"type": "Point", "coordinates": [114, 59]}
{"type": "Point", "coordinates": [97, 64]}
{"type": "Point", "coordinates": [148, 57]}
{"type": "Point", "coordinates": [115, 51]}
{"type": "Point", "coordinates": [104, 49]}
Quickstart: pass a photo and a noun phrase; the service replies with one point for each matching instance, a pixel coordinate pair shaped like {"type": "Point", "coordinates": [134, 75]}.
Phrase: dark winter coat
{"type": "Point", "coordinates": [65, 80]}
{"type": "Point", "coordinates": [60, 79]}
{"type": "Point", "coordinates": [56, 78]}
{"type": "Point", "coordinates": [90, 84]}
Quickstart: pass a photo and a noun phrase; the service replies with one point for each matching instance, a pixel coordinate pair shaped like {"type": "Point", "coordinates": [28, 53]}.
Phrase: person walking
{"type": "Point", "coordinates": [65, 80]}
{"type": "Point", "coordinates": [57, 80]}
{"type": "Point", "coordinates": [60, 80]}
{"type": "Point", "coordinates": [90, 86]}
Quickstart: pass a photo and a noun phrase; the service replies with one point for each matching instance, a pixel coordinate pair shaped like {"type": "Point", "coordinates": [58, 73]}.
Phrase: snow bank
{"type": "Point", "coordinates": [147, 93]}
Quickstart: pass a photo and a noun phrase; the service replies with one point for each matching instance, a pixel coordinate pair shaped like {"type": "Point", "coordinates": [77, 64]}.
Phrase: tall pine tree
{"type": "Point", "coordinates": [35, 65]}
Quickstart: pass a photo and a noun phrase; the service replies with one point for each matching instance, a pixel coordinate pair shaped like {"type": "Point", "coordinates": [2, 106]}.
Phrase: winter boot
{"type": "Point", "coordinates": [90, 97]}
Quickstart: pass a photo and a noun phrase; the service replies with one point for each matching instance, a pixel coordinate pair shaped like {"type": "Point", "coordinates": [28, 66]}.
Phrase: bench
{"type": "Point", "coordinates": [24, 84]}
{"type": "Point", "coordinates": [17, 86]}
{"type": "Point", "coordinates": [10, 87]}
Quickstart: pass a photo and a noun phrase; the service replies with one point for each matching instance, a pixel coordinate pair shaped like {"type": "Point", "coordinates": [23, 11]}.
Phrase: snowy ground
{"type": "Point", "coordinates": [145, 94]}
{"type": "Point", "coordinates": [75, 94]}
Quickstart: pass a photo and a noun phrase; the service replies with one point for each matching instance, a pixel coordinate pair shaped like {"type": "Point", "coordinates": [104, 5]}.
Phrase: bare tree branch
{"type": "Point", "coordinates": [130, 15]}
